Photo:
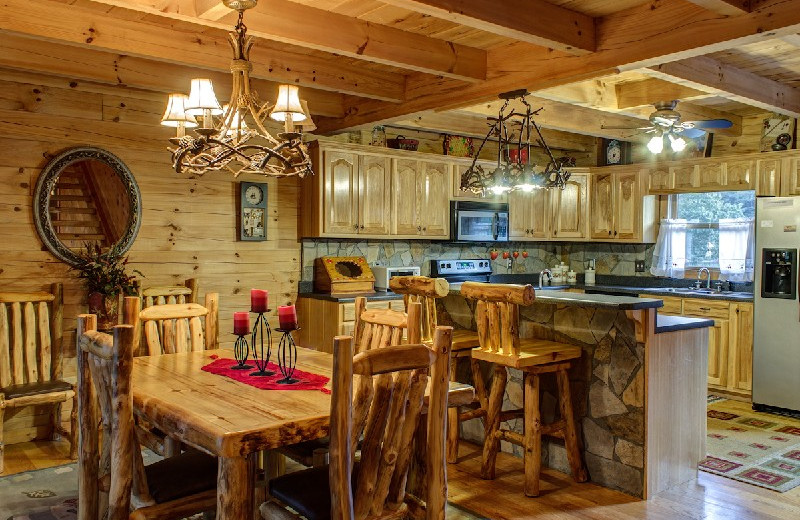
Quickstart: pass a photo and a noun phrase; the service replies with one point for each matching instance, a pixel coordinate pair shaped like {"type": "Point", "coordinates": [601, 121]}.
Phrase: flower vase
{"type": "Point", "coordinates": [106, 307]}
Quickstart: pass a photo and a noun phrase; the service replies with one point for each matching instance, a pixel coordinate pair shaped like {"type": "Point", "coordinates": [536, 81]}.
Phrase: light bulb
{"type": "Point", "coordinates": [678, 144]}
{"type": "Point", "coordinates": [656, 144]}
{"type": "Point", "coordinates": [499, 190]}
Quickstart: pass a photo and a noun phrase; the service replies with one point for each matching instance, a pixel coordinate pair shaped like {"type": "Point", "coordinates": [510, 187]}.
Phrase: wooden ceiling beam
{"type": "Point", "coordinates": [704, 73]}
{"type": "Point", "coordinates": [725, 7]}
{"type": "Point", "coordinates": [80, 65]}
{"type": "Point", "coordinates": [300, 25]}
{"type": "Point", "coordinates": [203, 48]}
{"type": "Point", "coordinates": [533, 21]}
{"type": "Point", "coordinates": [642, 36]}
{"type": "Point", "coordinates": [646, 92]}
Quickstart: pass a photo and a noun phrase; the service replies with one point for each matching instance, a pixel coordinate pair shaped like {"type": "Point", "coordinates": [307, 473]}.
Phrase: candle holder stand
{"type": "Point", "coordinates": [287, 357]}
{"type": "Point", "coordinates": [261, 332]}
{"type": "Point", "coordinates": [240, 352]}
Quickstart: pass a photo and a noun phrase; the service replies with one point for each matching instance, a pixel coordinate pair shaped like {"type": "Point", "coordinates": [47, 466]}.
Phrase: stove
{"type": "Point", "coordinates": [458, 271]}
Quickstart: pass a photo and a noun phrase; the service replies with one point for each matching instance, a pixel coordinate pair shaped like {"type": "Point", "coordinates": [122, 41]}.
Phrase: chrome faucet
{"type": "Point", "coordinates": [708, 278]}
{"type": "Point", "coordinates": [547, 272]}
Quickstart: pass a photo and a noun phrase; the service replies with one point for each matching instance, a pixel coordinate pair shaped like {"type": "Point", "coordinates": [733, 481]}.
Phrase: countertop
{"type": "Point", "coordinates": [675, 323]}
{"type": "Point", "coordinates": [349, 298]}
{"type": "Point", "coordinates": [626, 303]}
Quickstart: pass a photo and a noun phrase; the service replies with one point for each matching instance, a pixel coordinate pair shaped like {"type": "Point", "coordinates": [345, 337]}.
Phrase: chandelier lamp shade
{"type": "Point", "coordinates": [513, 130]}
{"type": "Point", "coordinates": [234, 137]}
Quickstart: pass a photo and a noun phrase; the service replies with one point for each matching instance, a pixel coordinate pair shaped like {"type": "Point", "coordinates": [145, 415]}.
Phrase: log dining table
{"type": "Point", "coordinates": [233, 420]}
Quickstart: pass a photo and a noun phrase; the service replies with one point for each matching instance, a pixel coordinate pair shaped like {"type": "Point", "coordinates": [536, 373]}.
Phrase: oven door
{"type": "Point", "coordinates": [481, 226]}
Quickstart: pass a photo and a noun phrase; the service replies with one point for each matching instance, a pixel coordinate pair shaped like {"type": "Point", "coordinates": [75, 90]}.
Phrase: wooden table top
{"type": "Point", "coordinates": [227, 418]}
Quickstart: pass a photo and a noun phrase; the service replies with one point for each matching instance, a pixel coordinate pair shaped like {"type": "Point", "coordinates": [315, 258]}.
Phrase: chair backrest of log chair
{"type": "Point", "coordinates": [385, 408]}
{"type": "Point", "coordinates": [425, 291]}
{"type": "Point", "coordinates": [185, 327]}
{"type": "Point", "coordinates": [497, 314]}
{"type": "Point", "coordinates": [106, 470]}
{"type": "Point", "coordinates": [171, 294]}
{"type": "Point", "coordinates": [31, 332]}
{"type": "Point", "coordinates": [378, 328]}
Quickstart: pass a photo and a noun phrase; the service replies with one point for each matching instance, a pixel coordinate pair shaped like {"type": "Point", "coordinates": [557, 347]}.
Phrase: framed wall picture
{"type": "Point", "coordinates": [252, 211]}
{"type": "Point", "coordinates": [778, 133]}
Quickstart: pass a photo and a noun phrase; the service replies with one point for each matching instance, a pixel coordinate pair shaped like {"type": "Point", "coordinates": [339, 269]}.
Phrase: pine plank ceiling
{"type": "Point", "coordinates": [441, 63]}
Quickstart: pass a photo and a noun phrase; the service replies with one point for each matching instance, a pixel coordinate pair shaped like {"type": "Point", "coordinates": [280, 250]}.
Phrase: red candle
{"type": "Point", "coordinates": [241, 323]}
{"type": "Point", "coordinates": [287, 317]}
{"type": "Point", "coordinates": [258, 300]}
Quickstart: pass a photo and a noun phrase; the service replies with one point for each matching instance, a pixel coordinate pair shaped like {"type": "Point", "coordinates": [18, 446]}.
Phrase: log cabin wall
{"type": "Point", "coordinates": [188, 224]}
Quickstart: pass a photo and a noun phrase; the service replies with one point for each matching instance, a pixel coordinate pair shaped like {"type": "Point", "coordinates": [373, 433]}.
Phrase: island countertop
{"type": "Point", "coordinates": [623, 303]}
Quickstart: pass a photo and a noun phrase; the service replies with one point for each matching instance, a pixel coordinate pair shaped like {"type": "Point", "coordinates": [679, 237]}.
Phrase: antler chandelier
{"type": "Point", "coordinates": [513, 132]}
{"type": "Point", "coordinates": [234, 136]}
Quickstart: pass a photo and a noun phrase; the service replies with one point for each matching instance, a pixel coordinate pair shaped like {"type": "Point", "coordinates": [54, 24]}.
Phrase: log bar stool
{"type": "Point", "coordinates": [497, 317]}
{"type": "Point", "coordinates": [426, 291]}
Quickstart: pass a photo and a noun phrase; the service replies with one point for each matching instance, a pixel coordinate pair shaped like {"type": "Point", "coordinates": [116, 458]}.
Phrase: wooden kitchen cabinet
{"type": "Point", "coordinates": [790, 178]}
{"type": "Point", "coordinates": [459, 167]}
{"type": "Point", "coordinates": [686, 177]}
{"type": "Point", "coordinates": [718, 342]}
{"type": "Point", "coordinates": [405, 214]}
{"type": "Point", "coordinates": [619, 209]}
{"type": "Point", "coordinates": [740, 175]}
{"type": "Point", "coordinates": [340, 174]}
{"type": "Point", "coordinates": [433, 189]}
{"type": "Point", "coordinates": [740, 355]}
{"type": "Point", "coordinates": [374, 180]}
{"type": "Point", "coordinates": [661, 180]}
{"type": "Point", "coordinates": [550, 214]}
{"type": "Point", "coordinates": [711, 176]}
{"type": "Point", "coordinates": [768, 173]}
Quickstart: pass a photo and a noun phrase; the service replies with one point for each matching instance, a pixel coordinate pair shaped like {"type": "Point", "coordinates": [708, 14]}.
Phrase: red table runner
{"type": "Point", "coordinates": [308, 380]}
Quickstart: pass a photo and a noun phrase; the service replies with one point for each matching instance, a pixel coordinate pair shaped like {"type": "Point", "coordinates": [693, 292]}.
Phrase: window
{"type": "Point", "coordinates": [702, 213]}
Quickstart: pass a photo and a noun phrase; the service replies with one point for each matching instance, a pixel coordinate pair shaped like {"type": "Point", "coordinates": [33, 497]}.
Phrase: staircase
{"type": "Point", "coordinates": [74, 211]}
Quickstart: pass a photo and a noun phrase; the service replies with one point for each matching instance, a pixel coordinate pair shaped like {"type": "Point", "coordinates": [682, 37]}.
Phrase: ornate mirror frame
{"type": "Point", "coordinates": [47, 182]}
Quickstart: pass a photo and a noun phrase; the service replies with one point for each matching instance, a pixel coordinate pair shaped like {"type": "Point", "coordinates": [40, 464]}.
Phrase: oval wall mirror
{"type": "Point", "coordinates": [86, 195]}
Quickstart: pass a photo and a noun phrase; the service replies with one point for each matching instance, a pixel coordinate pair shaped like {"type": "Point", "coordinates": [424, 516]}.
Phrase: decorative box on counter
{"type": "Point", "coordinates": [343, 275]}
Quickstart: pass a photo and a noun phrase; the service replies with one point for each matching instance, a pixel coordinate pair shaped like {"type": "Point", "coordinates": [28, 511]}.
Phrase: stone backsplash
{"type": "Point", "coordinates": [616, 259]}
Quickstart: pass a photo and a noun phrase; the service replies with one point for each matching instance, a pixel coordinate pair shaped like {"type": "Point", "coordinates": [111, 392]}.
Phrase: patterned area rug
{"type": "Point", "coordinates": [756, 448]}
{"type": "Point", "coordinates": [50, 494]}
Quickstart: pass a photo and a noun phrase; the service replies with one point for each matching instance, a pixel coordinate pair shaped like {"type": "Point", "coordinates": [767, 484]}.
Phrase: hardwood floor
{"type": "Point", "coordinates": [708, 498]}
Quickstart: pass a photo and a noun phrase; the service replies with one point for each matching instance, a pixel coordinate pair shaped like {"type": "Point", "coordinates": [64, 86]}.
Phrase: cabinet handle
{"type": "Point", "coordinates": [355, 227]}
{"type": "Point", "coordinates": [555, 233]}
{"type": "Point", "coordinates": [424, 229]}
{"type": "Point", "coordinates": [609, 232]}
{"type": "Point", "coordinates": [705, 308]}
{"type": "Point", "coordinates": [615, 233]}
{"type": "Point", "coordinates": [737, 311]}
{"type": "Point", "coordinates": [419, 228]}
{"type": "Point", "coordinates": [362, 226]}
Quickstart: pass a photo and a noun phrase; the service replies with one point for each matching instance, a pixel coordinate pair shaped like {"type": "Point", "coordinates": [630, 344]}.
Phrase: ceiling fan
{"type": "Point", "coordinates": [666, 122]}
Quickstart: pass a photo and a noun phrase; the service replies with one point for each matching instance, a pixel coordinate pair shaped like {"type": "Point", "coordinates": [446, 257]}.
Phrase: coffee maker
{"type": "Point", "coordinates": [779, 273]}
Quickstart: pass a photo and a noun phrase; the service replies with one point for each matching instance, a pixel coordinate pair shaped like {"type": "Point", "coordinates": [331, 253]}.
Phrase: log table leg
{"type": "Point", "coordinates": [235, 488]}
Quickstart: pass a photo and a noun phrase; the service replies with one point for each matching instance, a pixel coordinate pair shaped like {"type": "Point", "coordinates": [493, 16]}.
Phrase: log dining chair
{"type": "Point", "coordinates": [112, 475]}
{"type": "Point", "coordinates": [31, 354]}
{"type": "Point", "coordinates": [426, 291]}
{"type": "Point", "coordinates": [374, 328]}
{"type": "Point", "coordinates": [382, 416]}
{"type": "Point", "coordinates": [497, 319]}
{"type": "Point", "coordinates": [170, 328]}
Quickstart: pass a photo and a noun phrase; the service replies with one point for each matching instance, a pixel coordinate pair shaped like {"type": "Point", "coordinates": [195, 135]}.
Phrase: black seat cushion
{"type": "Point", "coordinates": [308, 491]}
{"type": "Point", "coordinates": [303, 452]}
{"type": "Point", "coordinates": [28, 389]}
{"type": "Point", "coordinates": [186, 474]}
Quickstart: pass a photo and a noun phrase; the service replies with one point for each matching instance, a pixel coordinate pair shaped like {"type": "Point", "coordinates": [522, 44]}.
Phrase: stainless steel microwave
{"type": "Point", "coordinates": [472, 221]}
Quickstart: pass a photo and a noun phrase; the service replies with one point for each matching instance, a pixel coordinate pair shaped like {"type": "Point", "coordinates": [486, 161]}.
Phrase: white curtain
{"type": "Point", "coordinates": [736, 249]}
{"type": "Point", "coordinates": [669, 255]}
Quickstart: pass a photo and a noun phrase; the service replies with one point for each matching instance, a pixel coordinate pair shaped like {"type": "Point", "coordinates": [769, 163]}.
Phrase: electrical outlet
{"type": "Point", "coordinates": [639, 266]}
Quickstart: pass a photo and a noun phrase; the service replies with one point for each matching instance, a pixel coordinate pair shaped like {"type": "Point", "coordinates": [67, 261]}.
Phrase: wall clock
{"type": "Point", "coordinates": [252, 211]}
{"type": "Point", "coordinates": [614, 151]}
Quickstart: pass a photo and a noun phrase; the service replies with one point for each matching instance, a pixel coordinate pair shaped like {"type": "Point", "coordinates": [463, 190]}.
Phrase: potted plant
{"type": "Point", "coordinates": [104, 273]}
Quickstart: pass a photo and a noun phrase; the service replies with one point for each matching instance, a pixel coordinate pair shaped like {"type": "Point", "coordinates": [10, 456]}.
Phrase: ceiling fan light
{"type": "Point", "coordinates": [656, 144]}
{"type": "Point", "coordinates": [678, 144]}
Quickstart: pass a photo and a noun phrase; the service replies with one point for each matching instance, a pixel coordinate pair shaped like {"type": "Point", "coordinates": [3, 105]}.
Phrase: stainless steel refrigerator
{"type": "Point", "coordinates": [776, 341]}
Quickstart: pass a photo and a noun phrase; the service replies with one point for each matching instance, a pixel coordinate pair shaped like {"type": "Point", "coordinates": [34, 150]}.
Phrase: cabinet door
{"type": "Point", "coordinates": [374, 181]}
{"type": "Point", "coordinates": [717, 353]}
{"type": "Point", "coordinates": [435, 211]}
{"type": "Point", "coordinates": [740, 175]}
{"type": "Point", "coordinates": [341, 193]}
{"type": "Point", "coordinates": [569, 209]}
{"type": "Point", "coordinates": [602, 199]}
{"type": "Point", "coordinates": [685, 177]}
{"type": "Point", "coordinates": [769, 177]}
{"type": "Point", "coordinates": [661, 180]}
{"type": "Point", "coordinates": [458, 170]}
{"type": "Point", "coordinates": [628, 204]}
{"type": "Point", "coordinates": [541, 225]}
{"type": "Point", "coordinates": [740, 365]}
{"type": "Point", "coordinates": [711, 176]}
{"type": "Point", "coordinates": [790, 181]}
{"type": "Point", "coordinates": [405, 199]}
{"type": "Point", "coordinates": [519, 214]}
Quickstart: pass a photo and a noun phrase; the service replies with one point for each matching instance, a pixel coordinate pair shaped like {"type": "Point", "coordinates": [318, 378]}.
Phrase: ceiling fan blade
{"type": "Point", "coordinates": [692, 133]}
{"type": "Point", "coordinates": [712, 123]}
{"type": "Point", "coordinates": [604, 127]}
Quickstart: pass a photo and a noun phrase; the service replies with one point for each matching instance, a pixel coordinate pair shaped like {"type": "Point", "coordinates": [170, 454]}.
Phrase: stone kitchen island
{"type": "Point", "coordinates": [638, 391]}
